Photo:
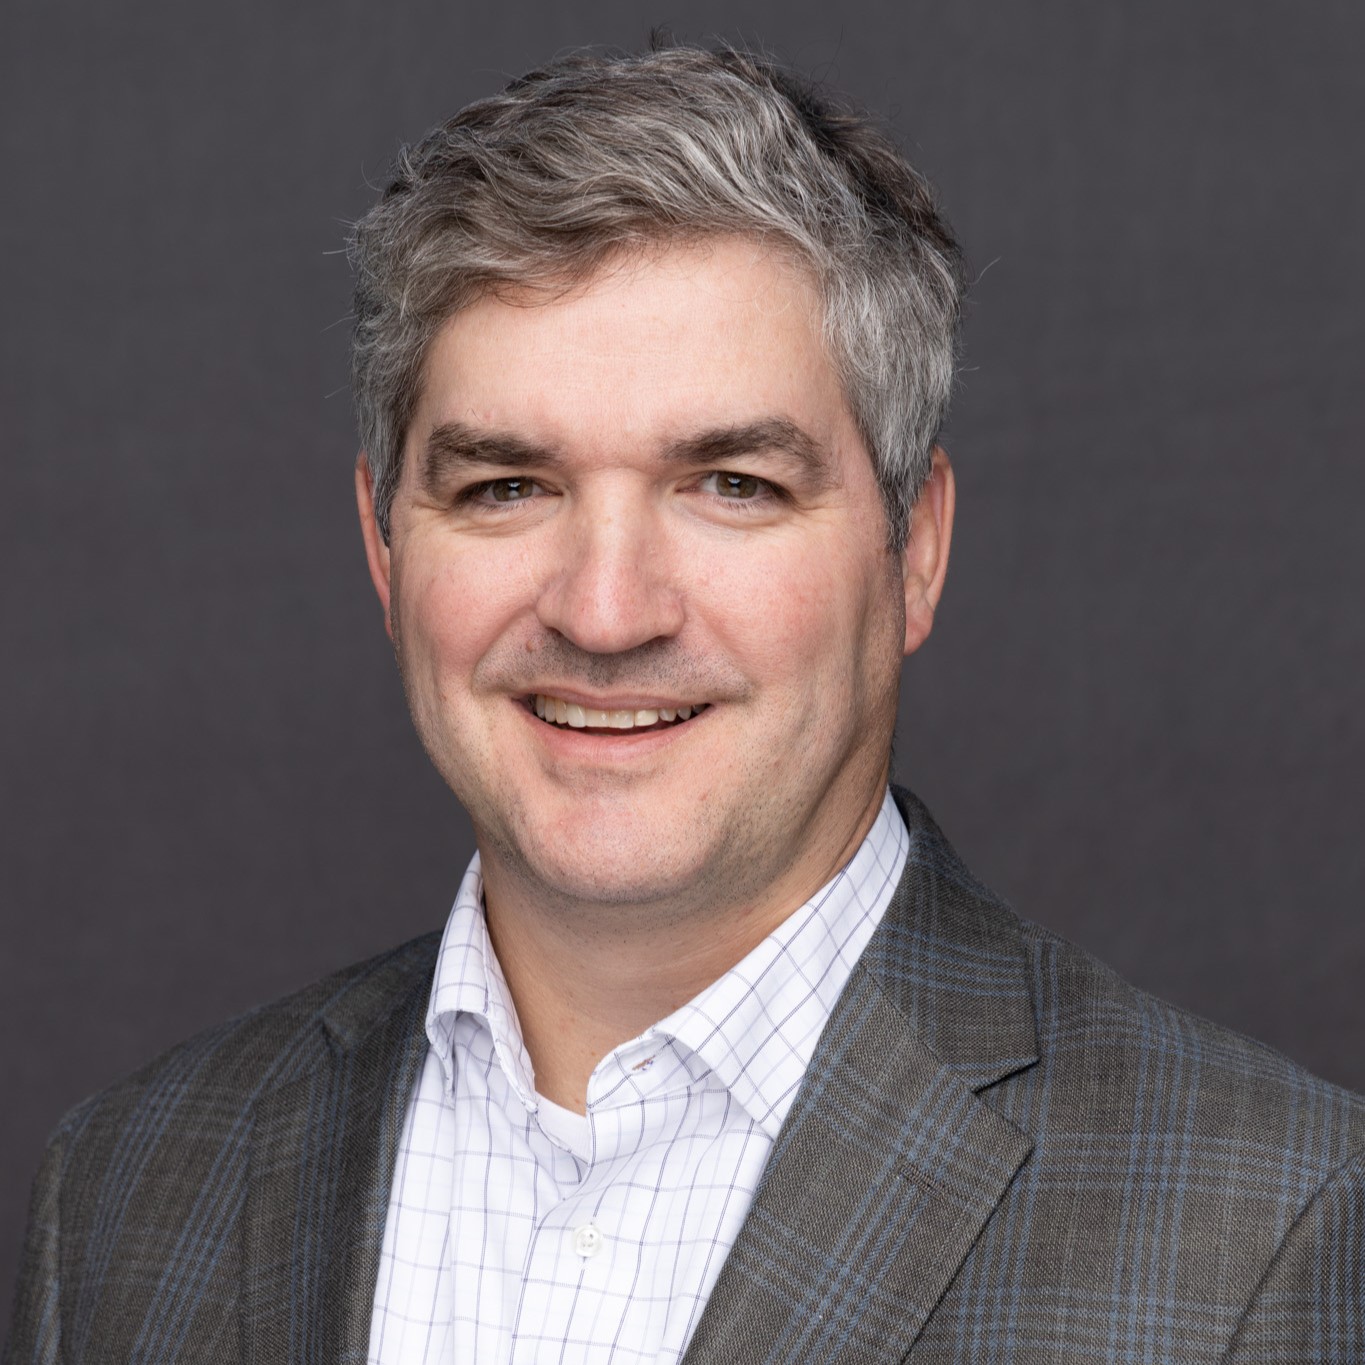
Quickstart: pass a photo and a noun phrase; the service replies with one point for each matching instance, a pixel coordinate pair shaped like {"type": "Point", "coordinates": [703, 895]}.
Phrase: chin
{"type": "Point", "coordinates": [606, 878]}
{"type": "Point", "coordinates": [608, 855]}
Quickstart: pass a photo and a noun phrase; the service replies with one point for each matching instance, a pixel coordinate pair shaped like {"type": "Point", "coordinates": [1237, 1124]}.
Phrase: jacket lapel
{"type": "Point", "coordinates": [322, 1157]}
{"type": "Point", "coordinates": [889, 1163]}
{"type": "Point", "coordinates": [884, 1173]}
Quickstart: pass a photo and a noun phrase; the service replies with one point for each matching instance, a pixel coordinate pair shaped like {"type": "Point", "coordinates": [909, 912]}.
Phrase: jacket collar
{"type": "Point", "coordinates": [889, 1163]}
{"type": "Point", "coordinates": [322, 1157]}
{"type": "Point", "coordinates": [950, 959]}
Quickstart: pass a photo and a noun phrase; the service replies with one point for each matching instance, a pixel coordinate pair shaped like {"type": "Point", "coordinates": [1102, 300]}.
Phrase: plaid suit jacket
{"type": "Point", "coordinates": [1001, 1153]}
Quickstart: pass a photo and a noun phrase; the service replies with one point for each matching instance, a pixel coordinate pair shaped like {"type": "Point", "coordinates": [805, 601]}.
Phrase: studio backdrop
{"type": "Point", "coordinates": [1139, 716]}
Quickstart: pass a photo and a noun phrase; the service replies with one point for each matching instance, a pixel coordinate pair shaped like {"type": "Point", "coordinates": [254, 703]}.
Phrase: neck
{"type": "Point", "coordinates": [588, 977]}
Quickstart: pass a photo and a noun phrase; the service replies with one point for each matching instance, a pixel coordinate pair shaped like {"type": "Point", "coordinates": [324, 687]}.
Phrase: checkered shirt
{"type": "Point", "coordinates": [520, 1232]}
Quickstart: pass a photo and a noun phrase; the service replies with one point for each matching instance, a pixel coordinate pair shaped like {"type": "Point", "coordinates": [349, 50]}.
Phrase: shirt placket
{"type": "Point", "coordinates": [584, 1252]}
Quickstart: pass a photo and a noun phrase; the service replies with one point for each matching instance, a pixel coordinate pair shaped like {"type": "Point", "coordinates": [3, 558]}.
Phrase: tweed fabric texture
{"type": "Point", "coordinates": [1001, 1152]}
{"type": "Point", "coordinates": [227, 1202]}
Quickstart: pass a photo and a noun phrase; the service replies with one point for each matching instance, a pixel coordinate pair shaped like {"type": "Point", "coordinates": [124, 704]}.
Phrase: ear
{"type": "Point", "coordinates": [376, 551]}
{"type": "Point", "coordinates": [924, 561]}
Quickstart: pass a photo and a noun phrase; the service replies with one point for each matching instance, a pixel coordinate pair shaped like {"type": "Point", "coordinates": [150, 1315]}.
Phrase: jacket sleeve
{"type": "Point", "coordinates": [1310, 1305]}
{"type": "Point", "coordinates": [35, 1333]}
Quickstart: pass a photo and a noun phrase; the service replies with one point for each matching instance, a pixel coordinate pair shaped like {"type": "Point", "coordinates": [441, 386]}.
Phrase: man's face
{"type": "Point", "coordinates": [645, 496]}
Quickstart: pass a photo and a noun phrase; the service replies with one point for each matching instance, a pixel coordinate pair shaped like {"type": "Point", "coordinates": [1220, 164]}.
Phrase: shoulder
{"type": "Point", "coordinates": [1119, 1075]}
{"type": "Point", "coordinates": [200, 1090]}
{"type": "Point", "coordinates": [1123, 1060]}
{"type": "Point", "coordinates": [142, 1187]}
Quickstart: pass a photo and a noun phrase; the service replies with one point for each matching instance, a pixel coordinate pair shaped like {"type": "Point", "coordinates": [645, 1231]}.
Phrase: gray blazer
{"type": "Point", "coordinates": [1001, 1153]}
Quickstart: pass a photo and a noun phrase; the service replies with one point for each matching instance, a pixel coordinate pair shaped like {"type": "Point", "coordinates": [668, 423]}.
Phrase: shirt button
{"type": "Point", "coordinates": [587, 1241]}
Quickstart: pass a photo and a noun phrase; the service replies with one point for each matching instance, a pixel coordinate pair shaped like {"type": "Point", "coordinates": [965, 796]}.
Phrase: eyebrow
{"type": "Point", "coordinates": [454, 446]}
{"type": "Point", "coordinates": [775, 434]}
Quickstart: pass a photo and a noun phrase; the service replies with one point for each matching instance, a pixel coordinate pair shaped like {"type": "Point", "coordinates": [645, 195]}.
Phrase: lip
{"type": "Point", "coordinates": [601, 747]}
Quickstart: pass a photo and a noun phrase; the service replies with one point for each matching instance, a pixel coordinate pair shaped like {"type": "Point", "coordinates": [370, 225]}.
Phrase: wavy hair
{"type": "Point", "coordinates": [592, 154]}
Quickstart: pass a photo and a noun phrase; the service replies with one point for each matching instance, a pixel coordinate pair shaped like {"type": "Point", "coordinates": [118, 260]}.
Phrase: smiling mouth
{"type": "Point", "coordinates": [568, 715]}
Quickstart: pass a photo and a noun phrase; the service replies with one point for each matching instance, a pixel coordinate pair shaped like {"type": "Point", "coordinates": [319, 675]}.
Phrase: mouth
{"type": "Point", "coordinates": [569, 715]}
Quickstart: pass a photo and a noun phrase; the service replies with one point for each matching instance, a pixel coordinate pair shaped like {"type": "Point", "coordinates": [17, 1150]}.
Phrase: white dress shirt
{"type": "Point", "coordinates": [521, 1232]}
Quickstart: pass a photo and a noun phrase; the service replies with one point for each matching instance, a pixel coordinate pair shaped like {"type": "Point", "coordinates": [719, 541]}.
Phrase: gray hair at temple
{"type": "Point", "coordinates": [592, 155]}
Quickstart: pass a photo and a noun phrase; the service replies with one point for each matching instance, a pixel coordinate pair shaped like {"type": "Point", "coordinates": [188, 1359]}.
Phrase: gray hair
{"type": "Point", "coordinates": [590, 155]}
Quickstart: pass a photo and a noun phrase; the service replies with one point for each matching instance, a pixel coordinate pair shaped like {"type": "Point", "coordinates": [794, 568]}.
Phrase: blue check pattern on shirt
{"type": "Point", "coordinates": [479, 1261]}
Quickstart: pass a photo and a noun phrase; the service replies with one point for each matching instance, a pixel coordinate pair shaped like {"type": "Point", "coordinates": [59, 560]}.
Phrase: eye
{"type": "Point", "coordinates": [737, 487]}
{"type": "Point", "coordinates": [514, 489]}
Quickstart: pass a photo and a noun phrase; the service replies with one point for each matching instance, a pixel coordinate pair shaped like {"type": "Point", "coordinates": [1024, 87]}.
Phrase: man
{"type": "Point", "coordinates": [722, 1056]}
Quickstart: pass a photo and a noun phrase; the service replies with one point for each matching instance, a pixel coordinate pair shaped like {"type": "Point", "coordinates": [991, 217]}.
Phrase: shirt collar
{"type": "Point", "coordinates": [469, 980]}
{"type": "Point", "coordinates": [755, 1028]}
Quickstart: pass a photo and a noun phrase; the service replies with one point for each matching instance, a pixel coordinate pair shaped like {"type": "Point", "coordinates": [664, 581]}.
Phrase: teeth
{"type": "Point", "coordinates": [559, 712]}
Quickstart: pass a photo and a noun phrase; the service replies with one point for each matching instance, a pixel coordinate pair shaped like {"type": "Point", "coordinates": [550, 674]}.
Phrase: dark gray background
{"type": "Point", "coordinates": [1139, 717]}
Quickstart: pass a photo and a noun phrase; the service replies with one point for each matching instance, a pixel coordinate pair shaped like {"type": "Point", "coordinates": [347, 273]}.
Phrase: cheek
{"type": "Point", "coordinates": [452, 607]}
{"type": "Point", "coordinates": [791, 620]}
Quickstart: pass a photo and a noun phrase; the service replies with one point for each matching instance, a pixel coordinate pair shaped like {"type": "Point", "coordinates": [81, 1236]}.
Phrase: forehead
{"type": "Point", "coordinates": [723, 331]}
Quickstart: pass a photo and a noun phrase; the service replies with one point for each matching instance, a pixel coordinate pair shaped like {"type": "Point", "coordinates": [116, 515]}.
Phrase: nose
{"type": "Point", "coordinates": [610, 587]}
